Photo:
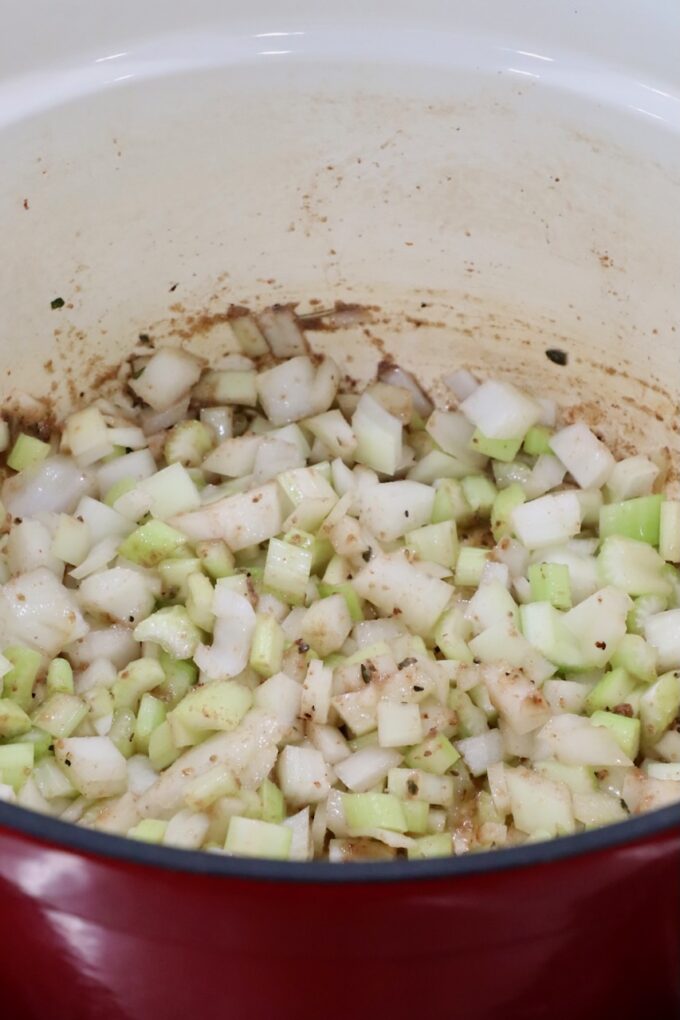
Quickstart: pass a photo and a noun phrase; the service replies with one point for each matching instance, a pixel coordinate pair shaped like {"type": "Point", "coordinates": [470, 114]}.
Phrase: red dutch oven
{"type": "Point", "coordinates": [495, 180]}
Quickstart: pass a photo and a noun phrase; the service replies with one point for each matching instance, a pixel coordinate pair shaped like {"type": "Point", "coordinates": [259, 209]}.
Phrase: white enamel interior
{"type": "Point", "coordinates": [513, 167]}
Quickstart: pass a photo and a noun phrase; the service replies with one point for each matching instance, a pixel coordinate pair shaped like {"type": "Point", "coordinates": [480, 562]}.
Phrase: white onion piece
{"type": "Point", "coordinates": [54, 486]}
{"type": "Point", "coordinates": [274, 456]}
{"type": "Point", "coordinates": [140, 773]}
{"type": "Point", "coordinates": [631, 477]}
{"type": "Point", "coordinates": [234, 457]}
{"type": "Point", "coordinates": [36, 610]}
{"type": "Point", "coordinates": [95, 765]}
{"type": "Point", "coordinates": [232, 635]}
{"type": "Point", "coordinates": [585, 457]}
{"type": "Point", "coordinates": [462, 383]}
{"type": "Point", "coordinates": [29, 546]}
{"type": "Point", "coordinates": [392, 583]}
{"type": "Point", "coordinates": [301, 848]}
{"type": "Point", "coordinates": [574, 740]}
{"type": "Point", "coordinates": [281, 330]}
{"type": "Point", "coordinates": [366, 767]}
{"type": "Point", "coordinates": [120, 594]}
{"type": "Point", "coordinates": [286, 391]}
{"type": "Point", "coordinates": [167, 377]}
{"type": "Point", "coordinates": [157, 421]}
{"type": "Point", "coordinates": [500, 410]}
{"type": "Point", "coordinates": [100, 556]}
{"type": "Point", "coordinates": [391, 509]}
{"type": "Point", "coordinates": [396, 376]}
{"type": "Point", "coordinates": [241, 520]}
{"type": "Point", "coordinates": [482, 751]}
{"type": "Point", "coordinates": [547, 520]}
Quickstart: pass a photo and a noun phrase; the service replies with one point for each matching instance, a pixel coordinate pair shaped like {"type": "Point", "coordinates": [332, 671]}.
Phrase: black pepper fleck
{"type": "Point", "coordinates": [557, 356]}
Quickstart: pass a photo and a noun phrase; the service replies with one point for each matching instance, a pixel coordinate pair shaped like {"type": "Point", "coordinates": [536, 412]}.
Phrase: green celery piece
{"type": "Point", "coordinates": [470, 565]}
{"type": "Point", "coordinates": [624, 729]}
{"type": "Point", "coordinates": [27, 452]}
{"type": "Point", "coordinates": [498, 449]}
{"type": "Point", "coordinates": [172, 628]}
{"type": "Point", "coordinates": [122, 731]}
{"type": "Point", "coordinates": [550, 583]}
{"type": "Point", "coordinates": [149, 830]}
{"type": "Point", "coordinates": [437, 543]}
{"type": "Point", "coordinates": [537, 441]}
{"type": "Point", "coordinates": [273, 805]}
{"type": "Point", "coordinates": [251, 837]}
{"type": "Point", "coordinates": [416, 813]}
{"type": "Point", "coordinates": [435, 754]}
{"type": "Point", "coordinates": [612, 690]}
{"type": "Point", "coordinates": [135, 679]}
{"type": "Point", "coordinates": [60, 715]}
{"type": "Point", "coordinates": [659, 706]}
{"type": "Point", "coordinates": [447, 637]}
{"type": "Point", "coordinates": [373, 811]}
{"type": "Point", "coordinates": [480, 492]}
{"type": "Point", "coordinates": [150, 715]}
{"type": "Point", "coordinates": [503, 505]}
{"type": "Point", "coordinates": [450, 503]}
{"type": "Point", "coordinates": [637, 518]}
{"type": "Point", "coordinates": [40, 740]}
{"type": "Point", "coordinates": [219, 705]}
{"type": "Point", "coordinates": [14, 722]}
{"type": "Point", "coordinates": [636, 656]}
{"type": "Point", "coordinates": [216, 558]}
{"type": "Point", "coordinates": [345, 589]}
{"type": "Point", "coordinates": [440, 844]}
{"type": "Point", "coordinates": [118, 489]}
{"type": "Point", "coordinates": [180, 675]}
{"type": "Point", "coordinates": [60, 677]}
{"type": "Point", "coordinates": [266, 650]}
{"type": "Point", "coordinates": [19, 681]}
{"type": "Point", "coordinates": [151, 543]}
{"type": "Point", "coordinates": [16, 763]}
{"type": "Point", "coordinates": [163, 750]}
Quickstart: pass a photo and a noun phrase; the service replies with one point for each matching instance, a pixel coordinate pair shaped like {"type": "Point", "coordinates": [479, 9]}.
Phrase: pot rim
{"type": "Point", "coordinates": [71, 837]}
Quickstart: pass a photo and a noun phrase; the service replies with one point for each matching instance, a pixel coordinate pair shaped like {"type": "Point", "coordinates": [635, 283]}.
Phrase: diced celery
{"type": "Point", "coordinates": [626, 730]}
{"type": "Point", "coordinates": [669, 530]}
{"type": "Point", "coordinates": [219, 781]}
{"type": "Point", "coordinates": [26, 452]}
{"type": "Point", "coordinates": [470, 566]}
{"type": "Point", "coordinates": [162, 748]}
{"type": "Point", "coordinates": [188, 442]}
{"type": "Point", "coordinates": [612, 690]}
{"type": "Point", "coordinates": [250, 837]}
{"type": "Point", "coordinates": [633, 518]}
{"type": "Point", "coordinates": [19, 681]}
{"type": "Point", "coordinates": [180, 675]}
{"type": "Point", "coordinates": [480, 492]}
{"type": "Point", "coordinates": [52, 780]}
{"type": "Point", "coordinates": [354, 604]}
{"type": "Point", "coordinates": [659, 706]}
{"type": "Point", "coordinates": [199, 600]}
{"type": "Point", "coordinates": [448, 636]}
{"type": "Point", "coordinates": [543, 626]}
{"type": "Point", "coordinates": [450, 503]}
{"type": "Point", "coordinates": [151, 543]}
{"type": "Point", "coordinates": [40, 740]}
{"type": "Point", "coordinates": [60, 715]}
{"type": "Point", "coordinates": [579, 778]}
{"type": "Point", "coordinates": [550, 583]}
{"type": "Point", "coordinates": [14, 722]}
{"type": "Point", "coordinates": [150, 715]}
{"type": "Point", "coordinates": [634, 567]}
{"type": "Point", "coordinates": [367, 652]}
{"type": "Point", "coordinates": [175, 574]}
{"type": "Point", "coordinates": [135, 679]}
{"type": "Point", "coordinates": [219, 705]}
{"type": "Point", "coordinates": [435, 754]}
{"type": "Point", "coordinates": [216, 558]}
{"type": "Point", "coordinates": [266, 650]}
{"type": "Point", "coordinates": [416, 813]}
{"type": "Point", "coordinates": [504, 503]}
{"type": "Point", "coordinates": [440, 844]}
{"type": "Point", "coordinates": [537, 440]}
{"type": "Point", "coordinates": [16, 763]}
{"type": "Point", "coordinates": [149, 830]}
{"type": "Point", "coordinates": [60, 677]}
{"type": "Point", "coordinates": [373, 811]}
{"type": "Point", "coordinates": [122, 732]}
{"type": "Point", "coordinates": [497, 449]}
{"type": "Point", "coordinates": [172, 629]}
{"type": "Point", "coordinates": [273, 805]}
{"type": "Point", "coordinates": [471, 719]}
{"type": "Point", "coordinates": [118, 489]}
{"type": "Point", "coordinates": [287, 570]}
{"type": "Point", "coordinates": [436, 543]}
{"type": "Point", "coordinates": [636, 656]}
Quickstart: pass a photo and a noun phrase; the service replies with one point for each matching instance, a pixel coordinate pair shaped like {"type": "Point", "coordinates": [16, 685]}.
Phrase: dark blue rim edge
{"type": "Point", "coordinates": [66, 836]}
